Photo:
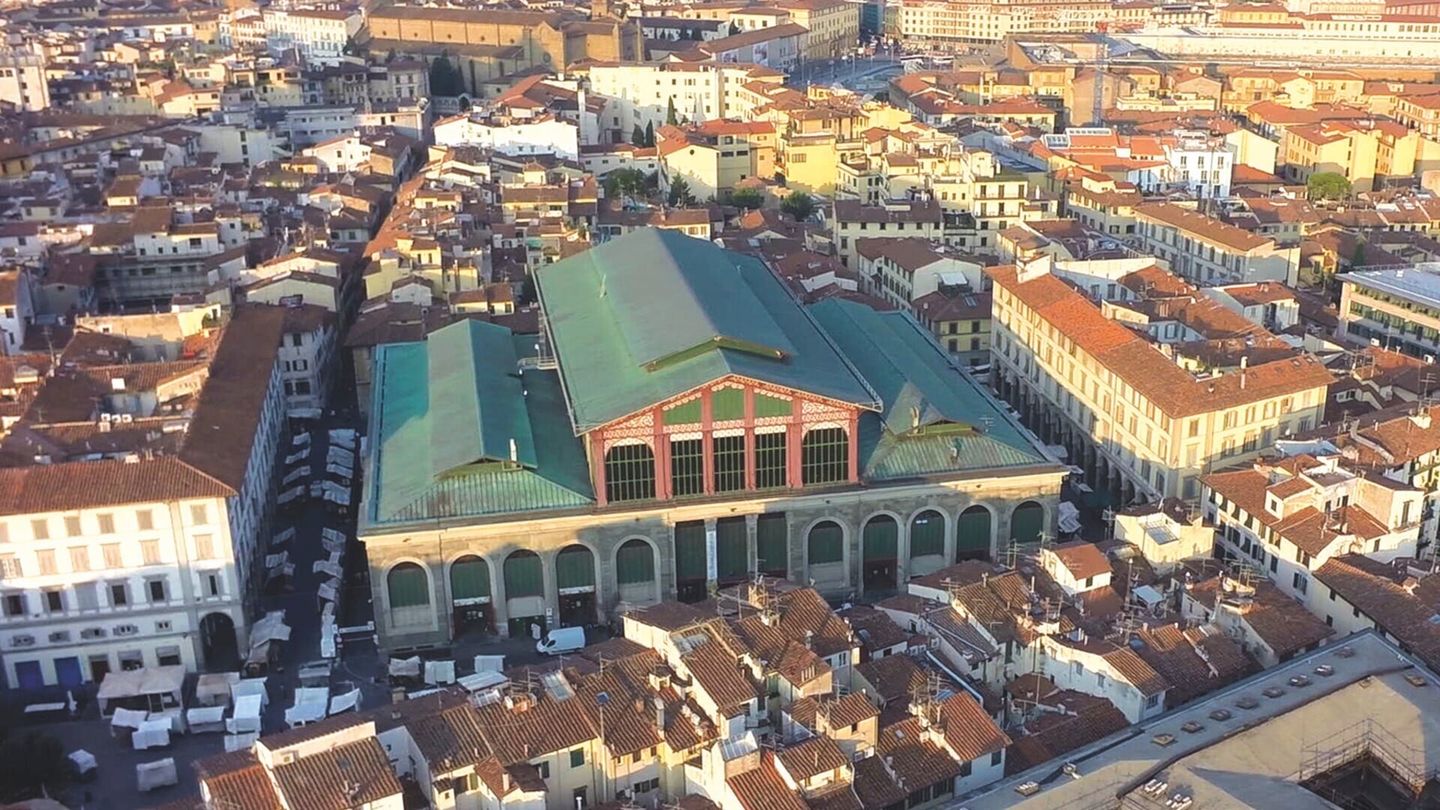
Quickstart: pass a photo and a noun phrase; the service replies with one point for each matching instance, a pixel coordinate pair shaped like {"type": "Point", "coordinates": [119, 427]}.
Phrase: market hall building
{"type": "Point", "coordinates": [682, 423]}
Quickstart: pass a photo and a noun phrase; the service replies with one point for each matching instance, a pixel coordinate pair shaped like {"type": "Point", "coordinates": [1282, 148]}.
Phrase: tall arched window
{"type": "Point", "coordinates": [825, 456]}
{"type": "Point", "coordinates": [469, 581]}
{"type": "Point", "coordinates": [629, 473]}
{"type": "Point", "coordinates": [408, 588]}
{"type": "Point", "coordinates": [927, 534]}
{"type": "Point", "coordinates": [1027, 522]}
{"type": "Point", "coordinates": [826, 543]}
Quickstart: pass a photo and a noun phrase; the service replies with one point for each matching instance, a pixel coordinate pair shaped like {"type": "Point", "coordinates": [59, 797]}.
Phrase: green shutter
{"type": "Point", "coordinates": [635, 563]}
{"type": "Point", "coordinates": [686, 413]}
{"type": "Point", "coordinates": [523, 576]}
{"type": "Point", "coordinates": [766, 405]}
{"type": "Point", "coordinates": [972, 534]}
{"type": "Point", "coordinates": [927, 534]}
{"type": "Point", "coordinates": [772, 544]}
{"type": "Point", "coordinates": [690, 550]}
{"type": "Point", "coordinates": [575, 568]}
{"type": "Point", "coordinates": [1027, 522]}
{"type": "Point", "coordinates": [727, 404]}
{"type": "Point", "coordinates": [827, 543]}
{"type": "Point", "coordinates": [732, 553]}
{"type": "Point", "coordinates": [882, 538]}
{"type": "Point", "coordinates": [469, 578]}
{"type": "Point", "coordinates": [409, 586]}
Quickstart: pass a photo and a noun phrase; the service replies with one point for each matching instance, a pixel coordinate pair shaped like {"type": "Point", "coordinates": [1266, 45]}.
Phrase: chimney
{"type": "Point", "coordinates": [1244, 364]}
{"type": "Point", "coordinates": [659, 713]}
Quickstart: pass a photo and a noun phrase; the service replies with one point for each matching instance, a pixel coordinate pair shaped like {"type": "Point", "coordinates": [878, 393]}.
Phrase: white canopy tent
{"type": "Point", "coordinates": [246, 717]}
{"type": "Point", "coordinates": [205, 719]}
{"type": "Point", "coordinates": [153, 688]}
{"type": "Point", "coordinates": [154, 733]}
{"type": "Point", "coordinates": [157, 774]}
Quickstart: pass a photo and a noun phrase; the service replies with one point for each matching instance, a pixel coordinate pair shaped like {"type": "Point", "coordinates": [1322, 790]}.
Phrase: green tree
{"type": "Point", "coordinates": [747, 198]}
{"type": "Point", "coordinates": [637, 136]}
{"type": "Point", "coordinates": [627, 181]}
{"type": "Point", "coordinates": [799, 205]}
{"type": "Point", "coordinates": [445, 78]}
{"type": "Point", "coordinates": [670, 117]}
{"type": "Point", "coordinates": [649, 133]}
{"type": "Point", "coordinates": [31, 763]}
{"type": "Point", "coordinates": [1327, 186]}
{"type": "Point", "coordinates": [680, 195]}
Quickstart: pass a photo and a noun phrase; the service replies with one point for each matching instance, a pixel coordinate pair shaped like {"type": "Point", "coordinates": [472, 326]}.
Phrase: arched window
{"type": "Point", "coordinates": [523, 575]}
{"type": "Point", "coordinates": [1027, 522]}
{"type": "Point", "coordinates": [635, 563]}
{"type": "Point", "coordinates": [825, 456]}
{"type": "Point", "coordinates": [972, 534]}
{"type": "Point", "coordinates": [629, 473]}
{"type": "Point", "coordinates": [469, 581]}
{"type": "Point", "coordinates": [826, 543]}
{"type": "Point", "coordinates": [927, 534]}
{"type": "Point", "coordinates": [575, 568]}
{"type": "Point", "coordinates": [408, 587]}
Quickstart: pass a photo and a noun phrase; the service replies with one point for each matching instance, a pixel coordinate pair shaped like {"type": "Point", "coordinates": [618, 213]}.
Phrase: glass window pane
{"type": "Point", "coordinates": [629, 473]}
{"type": "Point", "coordinates": [687, 467]}
{"type": "Point", "coordinates": [827, 543]}
{"type": "Point", "coordinates": [770, 469]}
{"type": "Point", "coordinates": [825, 456]}
{"type": "Point", "coordinates": [729, 463]}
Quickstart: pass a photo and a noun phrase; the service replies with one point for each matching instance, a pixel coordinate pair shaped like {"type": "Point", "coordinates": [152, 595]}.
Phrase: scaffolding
{"type": "Point", "coordinates": [1364, 743]}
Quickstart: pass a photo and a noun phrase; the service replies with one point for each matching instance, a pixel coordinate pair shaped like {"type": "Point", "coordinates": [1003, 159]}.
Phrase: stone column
{"type": "Point", "coordinates": [752, 544]}
{"type": "Point", "coordinates": [710, 554]}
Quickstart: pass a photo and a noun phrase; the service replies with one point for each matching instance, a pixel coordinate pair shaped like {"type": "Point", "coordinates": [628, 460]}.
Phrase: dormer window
{"type": "Point", "coordinates": [1274, 505]}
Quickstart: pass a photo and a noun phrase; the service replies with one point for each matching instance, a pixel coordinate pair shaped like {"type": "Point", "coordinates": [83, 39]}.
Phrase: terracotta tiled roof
{"type": "Point", "coordinates": [1082, 559]}
{"type": "Point", "coordinates": [875, 784]}
{"type": "Point", "coordinates": [917, 761]}
{"type": "Point", "coordinates": [1195, 661]}
{"type": "Point", "coordinates": [763, 788]}
{"type": "Point", "coordinates": [1173, 389]}
{"type": "Point", "coordinates": [238, 780]}
{"type": "Point", "coordinates": [815, 755]}
{"type": "Point", "coordinates": [351, 775]}
{"type": "Point", "coordinates": [969, 731]}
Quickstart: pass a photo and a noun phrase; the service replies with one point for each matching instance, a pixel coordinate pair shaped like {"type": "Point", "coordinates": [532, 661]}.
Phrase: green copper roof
{"type": "Point", "coordinates": [656, 313]}
{"type": "Point", "coordinates": [446, 411]}
{"type": "Point", "coordinates": [474, 389]}
{"type": "Point", "coordinates": [936, 420]}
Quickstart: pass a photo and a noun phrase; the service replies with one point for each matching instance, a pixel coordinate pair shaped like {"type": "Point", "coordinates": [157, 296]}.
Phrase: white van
{"type": "Point", "coordinates": [561, 640]}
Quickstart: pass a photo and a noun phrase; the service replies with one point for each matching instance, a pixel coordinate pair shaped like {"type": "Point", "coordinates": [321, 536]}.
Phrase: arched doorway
{"type": "Point", "coordinates": [880, 552]}
{"type": "Point", "coordinates": [635, 573]}
{"type": "Point", "coordinates": [575, 581]}
{"type": "Point", "coordinates": [524, 594]}
{"type": "Point", "coordinates": [218, 643]}
{"type": "Point", "coordinates": [408, 589]}
{"type": "Point", "coordinates": [825, 555]}
{"type": "Point", "coordinates": [972, 534]}
{"type": "Point", "coordinates": [1027, 522]}
{"type": "Point", "coordinates": [927, 543]}
{"type": "Point", "coordinates": [470, 595]}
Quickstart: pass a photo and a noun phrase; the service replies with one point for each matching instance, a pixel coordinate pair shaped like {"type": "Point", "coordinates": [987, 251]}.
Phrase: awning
{"type": "Point", "coordinates": [128, 718]}
{"type": "Point", "coordinates": [300, 439]}
{"type": "Point", "coordinates": [438, 672]}
{"type": "Point", "coordinates": [213, 688]}
{"type": "Point", "coordinates": [122, 684]}
{"type": "Point", "coordinates": [405, 667]}
{"type": "Point", "coordinates": [270, 628]}
{"type": "Point", "coordinates": [281, 538]}
{"type": "Point", "coordinates": [349, 701]}
{"type": "Point", "coordinates": [327, 567]}
{"type": "Point", "coordinates": [205, 718]}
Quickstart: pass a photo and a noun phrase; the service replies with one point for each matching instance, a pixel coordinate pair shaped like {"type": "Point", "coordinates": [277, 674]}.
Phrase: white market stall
{"type": "Point", "coordinates": [151, 689]}
{"type": "Point", "coordinates": [245, 718]}
{"type": "Point", "coordinates": [205, 720]}
{"type": "Point", "coordinates": [157, 774]}
{"type": "Point", "coordinates": [153, 733]}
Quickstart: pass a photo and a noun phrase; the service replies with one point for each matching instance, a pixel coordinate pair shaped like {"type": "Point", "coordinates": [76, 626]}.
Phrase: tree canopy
{"type": "Point", "coordinates": [799, 205]}
{"type": "Point", "coordinates": [747, 198]}
{"type": "Point", "coordinates": [1328, 186]}
{"type": "Point", "coordinates": [680, 194]}
{"type": "Point", "coordinates": [445, 78]}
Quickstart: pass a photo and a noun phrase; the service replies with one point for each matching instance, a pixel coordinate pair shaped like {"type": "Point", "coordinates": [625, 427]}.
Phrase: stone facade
{"type": "Point", "coordinates": [603, 534]}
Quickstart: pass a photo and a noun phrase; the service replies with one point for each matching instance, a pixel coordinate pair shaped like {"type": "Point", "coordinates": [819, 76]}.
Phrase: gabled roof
{"type": "Point", "coordinates": [656, 313]}
{"type": "Point", "coordinates": [934, 419]}
{"type": "Point", "coordinates": [440, 453]}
